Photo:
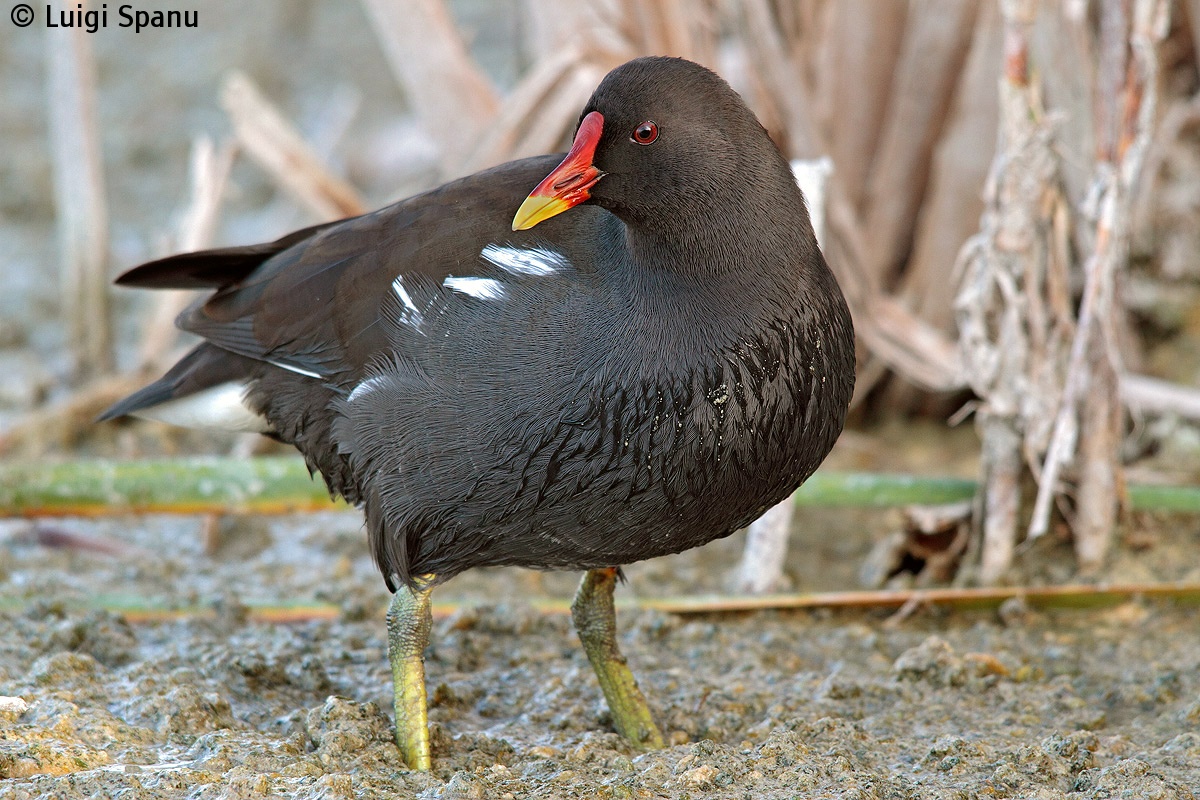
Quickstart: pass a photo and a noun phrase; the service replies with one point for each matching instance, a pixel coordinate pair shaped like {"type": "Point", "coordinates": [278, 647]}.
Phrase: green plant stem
{"type": "Point", "coordinates": [281, 485]}
{"type": "Point", "coordinates": [195, 485]}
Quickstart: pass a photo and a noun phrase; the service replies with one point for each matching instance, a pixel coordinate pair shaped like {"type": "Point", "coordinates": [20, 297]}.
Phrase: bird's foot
{"type": "Point", "coordinates": [409, 621]}
{"type": "Point", "coordinates": [595, 620]}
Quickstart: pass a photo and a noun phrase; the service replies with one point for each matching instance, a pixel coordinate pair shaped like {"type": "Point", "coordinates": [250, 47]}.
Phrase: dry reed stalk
{"type": "Point", "coordinates": [1144, 395]}
{"type": "Point", "coordinates": [921, 352]}
{"type": "Point", "coordinates": [522, 105]}
{"type": "Point", "coordinates": [928, 85]}
{"type": "Point", "coordinates": [851, 49]}
{"type": "Point", "coordinates": [683, 28]}
{"type": "Point", "coordinates": [1050, 376]}
{"type": "Point", "coordinates": [1087, 428]}
{"type": "Point", "coordinates": [1176, 120]}
{"type": "Point", "coordinates": [209, 171]}
{"type": "Point", "coordinates": [450, 94]}
{"type": "Point", "coordinates": [663, 27]}
{"type": "Point", "coordinates": [82, 212]}
{"type": "Point", "coordinates": [895, 336]}
{"type": "Point", "coordinates": [1065, 596]}
{"type": "Point", "coordinates": [1013, 314]}
{"type": "Point", "coordinates": [760, 570]}
{"type": "Point", "coordinates": [553, 120]}
{"type": "Point", "coordinates": [779, 72]}
{"type": "Point", "coordinates": [1000, 487]}
{"type": "Point", "coordinates": [953, 200]}
{"type": "Point", "coordinates": [282, 484]}
{"type": "Point", "coordinates": [936, 42]}
{"type": "Point", "coordinates": [600, 29]}
{"type": "Point", "coordinates": [136, 609]}
{"type": "Point", "coordinates": [854, 55]}
{"type": "Point", "coordinates": [1191, 17]}
{"type": "Point", "coordinates": [276, 145]}
{"type": "Point", "coordinates": [59, 425]}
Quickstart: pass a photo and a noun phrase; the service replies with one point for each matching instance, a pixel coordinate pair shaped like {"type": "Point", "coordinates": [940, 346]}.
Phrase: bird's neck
{"type": "Point", "coordinates": [759, 244]}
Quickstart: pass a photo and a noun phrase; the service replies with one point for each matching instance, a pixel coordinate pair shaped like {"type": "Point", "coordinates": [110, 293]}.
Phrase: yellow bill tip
{"type": "Point", "coordinates": [537, 208]}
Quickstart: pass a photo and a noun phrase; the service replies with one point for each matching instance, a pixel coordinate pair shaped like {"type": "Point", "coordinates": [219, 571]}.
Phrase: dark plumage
{"type": "Point", "coordinates": [637, 376]}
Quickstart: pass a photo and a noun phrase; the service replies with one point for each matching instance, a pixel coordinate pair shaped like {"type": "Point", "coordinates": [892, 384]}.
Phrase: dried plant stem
{"type": "Point", "coordinates": [555, 114]}
{"type": "Point", "coordinates": [777, 71]}
{"type": "Point", "coordinates": [178, 486]}
{"type": "Point", "coordinates": [79, 194]}
{"type": "Point", "coordinates": [1087, 426]}
{"type": "Point", "coordinates": [276, 145]}
{"type": "Point", "coordinates": [209, 173]}
{"type": "Point", "coordinates": [1001, 490]}
{"type": "Point", "coordinates": [1080, 597]}
{"type": "Point", "coordinates": [1050, 376]}
{"type": "Point", "coordinates": [449, 92]}
{"type": "Point", "coordinates": [1010, 316]}
{"type": "Point", "coordinates": [59, 425]}
{"type": "Point", "coordinates": [503, 137]}
{"type": "Point", "coordinates": [138, 609]}
{"type": "Point", "coordinates": [761, 569]}
{"type": "Point", "coordinates": [1152, 395]}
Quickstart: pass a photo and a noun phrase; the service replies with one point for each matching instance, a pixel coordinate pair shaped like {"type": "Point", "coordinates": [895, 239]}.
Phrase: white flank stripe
{"type": "Point", "coordinates": [365, 388]}
{"type": "Point", "coordinates": [410, 315]}
{"type": "Point", "coordinates": [525, 261]}
{"type": "Point", "coordinates": [293, 368]}
{"type": "Point", "coordinates": [483, 288]}
{"type": "Point", "coordinates": [221, 407]}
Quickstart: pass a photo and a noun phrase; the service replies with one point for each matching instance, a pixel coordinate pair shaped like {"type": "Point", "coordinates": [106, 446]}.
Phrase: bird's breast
{"type": "Point", "coordinates": [717, 427]}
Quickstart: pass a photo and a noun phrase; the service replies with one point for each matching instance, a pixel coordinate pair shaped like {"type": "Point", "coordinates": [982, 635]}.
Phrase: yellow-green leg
{"type": "Point", "coordinates": [408, 623]}
{"type": "Point", "coordinates": [596, 621]}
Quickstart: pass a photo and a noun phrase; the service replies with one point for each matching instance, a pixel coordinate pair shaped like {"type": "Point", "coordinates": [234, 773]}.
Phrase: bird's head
{"type": "Point", "coordinates": [659, 137]}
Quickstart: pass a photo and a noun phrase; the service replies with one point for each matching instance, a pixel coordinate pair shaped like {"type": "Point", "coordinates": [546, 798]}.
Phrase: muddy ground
{"type": "Point", "coordinates": [216, 702]}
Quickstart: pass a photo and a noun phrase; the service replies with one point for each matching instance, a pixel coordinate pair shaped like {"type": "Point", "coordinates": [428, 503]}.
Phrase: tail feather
{"type": "Point", "coordinates": [158, 392]}
{"type": "Point", "coordinates": [205, 369]}
{"type": "Point", "coordinates": [211, 269]}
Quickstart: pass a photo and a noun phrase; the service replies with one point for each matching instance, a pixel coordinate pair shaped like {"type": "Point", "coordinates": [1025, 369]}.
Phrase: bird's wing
{"type": "Point", "coordinates": [312, 301]}
{"type": "Point", "coordinates": [212, 269]}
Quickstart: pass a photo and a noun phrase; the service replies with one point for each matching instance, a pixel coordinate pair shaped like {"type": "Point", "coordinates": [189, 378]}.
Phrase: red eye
{"type": "Point", "coordinates": [645, 133]}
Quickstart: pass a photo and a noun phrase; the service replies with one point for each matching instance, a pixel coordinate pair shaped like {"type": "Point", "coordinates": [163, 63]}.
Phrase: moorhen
{"type": "Point", "coordinates": [639, 376]}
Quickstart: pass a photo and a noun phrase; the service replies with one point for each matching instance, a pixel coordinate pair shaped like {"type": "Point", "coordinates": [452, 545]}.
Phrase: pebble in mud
{"type": "Point", "coordinates": [65, 669]}
{"type": "Point", "coordinates": [345, 732]}
{"type": "Point", "coordinates": [12, 707]}
{"type": "Point", "coordinates": [186, 710]}
{"type": "Point", "coordinates": [53, 736]}
{"type": "Point", "coordinates": [933, 660]}
{"type": "Point", "coordinates": [102, 634]}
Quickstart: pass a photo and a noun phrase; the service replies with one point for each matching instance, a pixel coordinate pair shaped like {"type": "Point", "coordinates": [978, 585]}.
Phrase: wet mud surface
{"type": "Point", "coordinates": [216, 703]}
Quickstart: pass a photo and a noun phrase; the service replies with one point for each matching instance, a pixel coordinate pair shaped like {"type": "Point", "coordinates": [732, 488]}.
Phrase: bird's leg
{"type": "Point", "coordinates": [408, 623]}
{"type": "Point", "coordinates": [596, 622]}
